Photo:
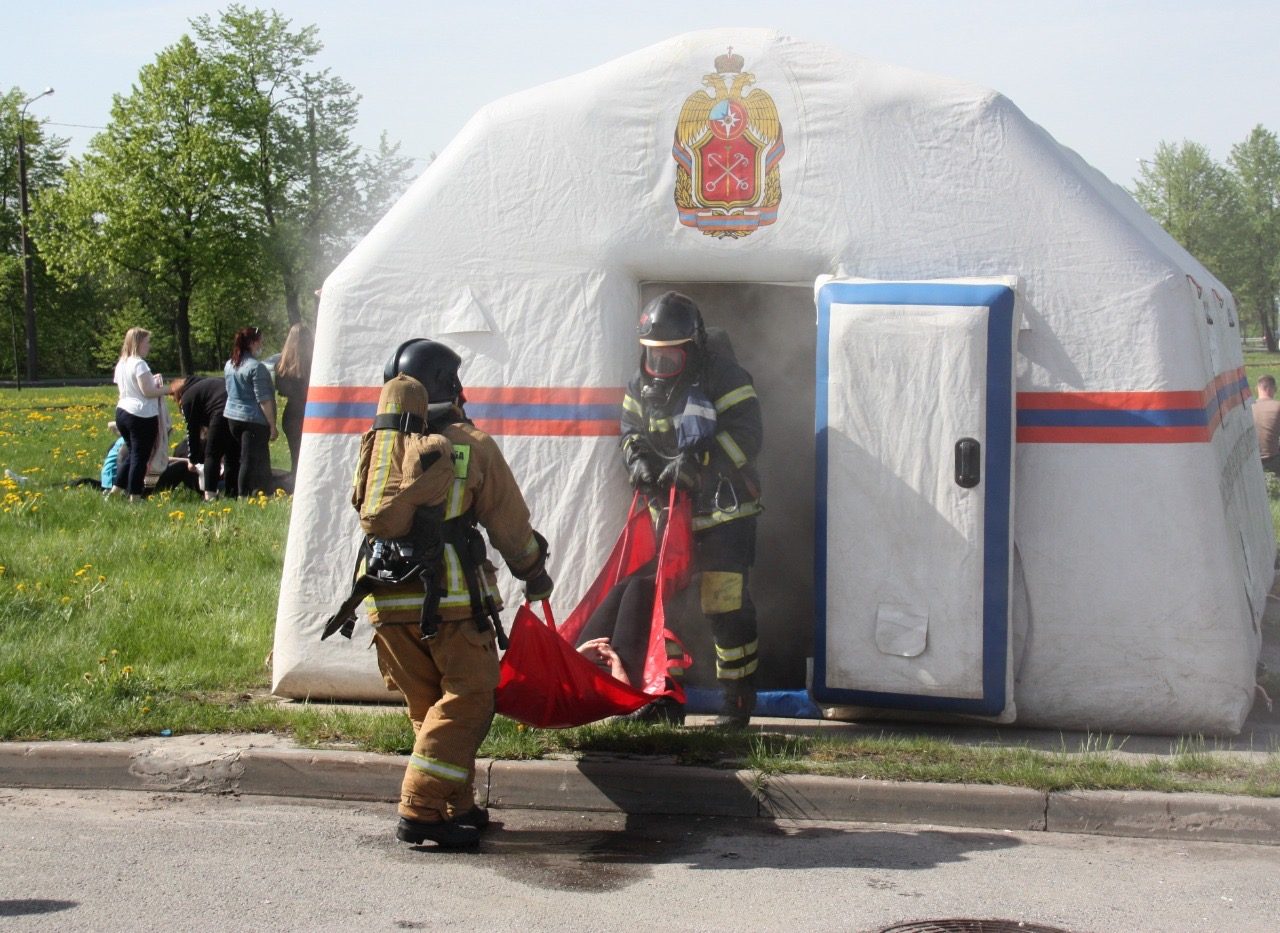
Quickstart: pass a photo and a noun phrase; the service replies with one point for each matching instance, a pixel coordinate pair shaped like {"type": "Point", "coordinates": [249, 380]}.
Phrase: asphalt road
{"type": "Point", "coordinates": [120, 860]}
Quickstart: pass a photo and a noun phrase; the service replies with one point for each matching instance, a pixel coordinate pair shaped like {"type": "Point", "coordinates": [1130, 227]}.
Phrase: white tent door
{"type": "Point", "coordinates": [914, 419]}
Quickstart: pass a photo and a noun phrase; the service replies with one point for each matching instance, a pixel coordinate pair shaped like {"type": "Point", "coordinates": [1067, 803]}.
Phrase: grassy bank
{"type": "Point", "coordinates": [121, 620]}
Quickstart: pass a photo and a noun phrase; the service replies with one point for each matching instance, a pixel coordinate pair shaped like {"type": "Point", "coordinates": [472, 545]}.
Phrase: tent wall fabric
{"type": "Point", "coordinates": [1142, 543]}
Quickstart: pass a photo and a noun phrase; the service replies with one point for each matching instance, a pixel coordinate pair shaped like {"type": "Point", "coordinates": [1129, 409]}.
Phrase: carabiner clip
{"type": "Point", "coordinates": [721, 484]}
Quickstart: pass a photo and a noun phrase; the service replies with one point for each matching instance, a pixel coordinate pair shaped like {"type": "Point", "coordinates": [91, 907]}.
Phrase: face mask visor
{"type": "Point", "coordinates": [664, 362]}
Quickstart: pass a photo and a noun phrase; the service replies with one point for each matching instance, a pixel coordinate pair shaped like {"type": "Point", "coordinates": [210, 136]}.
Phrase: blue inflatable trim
{"type": "Point", "coordinates": [778, 704]}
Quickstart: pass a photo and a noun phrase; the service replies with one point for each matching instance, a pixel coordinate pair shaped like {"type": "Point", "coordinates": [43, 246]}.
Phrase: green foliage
{"type": "Point", "coordinates": [225, 181]}
{"type": "Point", "coordinates": [154, 197]}
{"type": "Point", "coordinates": [1192, 197]}
{"type": "Point", "coordinates": [63, 313]}
{"type": "Point", "coordinates": [1228, 217]}
{"type": "Point", "coordinates": [1255, 265]}
{"type": "Point", "coordinates": [311, 193]}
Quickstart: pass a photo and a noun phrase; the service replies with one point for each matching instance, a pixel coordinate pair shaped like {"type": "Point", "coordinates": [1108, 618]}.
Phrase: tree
{"type": "Point", "coordinates": [45, 164]}
{"type": "Point", "coordinates": [310, 189]}
{"type": "Point", "coordinates": [1191, 196]}
{"type": "Point", "coordinates": [154, 198]}
{"type": "Point", "coordinates": [1255, 164]}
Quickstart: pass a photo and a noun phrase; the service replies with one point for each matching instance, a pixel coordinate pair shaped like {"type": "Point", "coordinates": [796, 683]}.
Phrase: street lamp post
{"type": "Point", "coordinates": [28, 279]}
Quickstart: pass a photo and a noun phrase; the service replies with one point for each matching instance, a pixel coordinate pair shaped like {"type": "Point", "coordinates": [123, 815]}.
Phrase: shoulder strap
{"type": "Point", "coordinates": [404, 422]}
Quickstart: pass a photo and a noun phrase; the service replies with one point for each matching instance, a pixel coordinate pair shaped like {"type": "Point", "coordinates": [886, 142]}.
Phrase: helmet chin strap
{"type": "Point", "coordinates": [436, 409]}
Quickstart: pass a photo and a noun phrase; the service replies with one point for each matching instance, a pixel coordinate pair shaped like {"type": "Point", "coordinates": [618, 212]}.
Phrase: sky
{"type": "Point", "coordinates": [1110, 80]}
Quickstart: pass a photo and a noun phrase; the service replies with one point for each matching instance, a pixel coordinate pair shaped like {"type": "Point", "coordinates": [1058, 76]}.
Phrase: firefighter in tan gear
{"type": "Point", "coordinates": [436, 633]}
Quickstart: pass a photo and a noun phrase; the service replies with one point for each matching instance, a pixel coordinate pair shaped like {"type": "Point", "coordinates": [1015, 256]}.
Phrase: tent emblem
{"type": "Point", "coordinates": [727, 150]}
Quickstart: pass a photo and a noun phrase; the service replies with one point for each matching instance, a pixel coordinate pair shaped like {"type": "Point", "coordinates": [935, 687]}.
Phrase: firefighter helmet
{"type": "Point", "coordinates": [671, 334]}
{"type": "Point", "coordinates": [669, 320]}
{"type": "Point", "coordinates": [431, 363]}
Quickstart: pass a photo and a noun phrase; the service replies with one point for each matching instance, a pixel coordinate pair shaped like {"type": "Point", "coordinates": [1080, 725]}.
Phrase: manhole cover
{"type": "Point", "coordinates": [962, 925]}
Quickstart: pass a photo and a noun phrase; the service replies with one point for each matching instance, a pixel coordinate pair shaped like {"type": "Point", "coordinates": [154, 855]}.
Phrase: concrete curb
{"type": "Point", "coordinates": [269, 766]}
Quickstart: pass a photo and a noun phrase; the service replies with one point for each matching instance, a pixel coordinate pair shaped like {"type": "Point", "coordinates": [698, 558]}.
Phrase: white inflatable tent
{"type": "Point", "coordinates": [1103, 560]}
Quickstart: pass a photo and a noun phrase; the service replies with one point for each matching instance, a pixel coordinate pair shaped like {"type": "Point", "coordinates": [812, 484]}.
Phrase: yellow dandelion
{"type": "Point", "coordinates": [20, 587]}
{"type": "Point", "coordinates": [145, 710]}
{"type": "Point", "coordinates": [65, 600]}
{"type": "Point", "coordinates": [101, 578]}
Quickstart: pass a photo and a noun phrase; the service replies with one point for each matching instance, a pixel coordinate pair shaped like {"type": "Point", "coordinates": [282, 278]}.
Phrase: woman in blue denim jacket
{"type": "Point", "coordinates": [251, 410]}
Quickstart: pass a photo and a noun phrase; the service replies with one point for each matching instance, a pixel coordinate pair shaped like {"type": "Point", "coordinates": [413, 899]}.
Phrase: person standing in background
{"type": "Point", "coordinates": [1266, 420]}
{"type": "Point", "coordinates": [138, 409]}
{"type": "Point", "coordinates": [250, 411]}
{"type": "Point", "coordinates": [293, 374]}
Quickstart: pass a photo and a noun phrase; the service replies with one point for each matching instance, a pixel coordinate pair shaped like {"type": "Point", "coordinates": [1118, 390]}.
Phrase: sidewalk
{"type": "Point", "coordinates": [272, 766]}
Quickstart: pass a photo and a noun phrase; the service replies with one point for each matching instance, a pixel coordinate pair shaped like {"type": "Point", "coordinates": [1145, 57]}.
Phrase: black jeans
{"type": "Point", "coordinates": [140, 438]}
{"type": "Point", "coordinates": [254, 440]}
{"type": "Point", "coordinates": [221, 453]}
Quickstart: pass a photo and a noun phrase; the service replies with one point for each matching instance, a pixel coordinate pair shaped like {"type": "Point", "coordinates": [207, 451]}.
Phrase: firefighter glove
{"type": "Point", "coordinates": [679, 473]}
{"type": "Point", "coordinates": [539, 588]}
{"type": "Point", "coordinates": [643, 476]}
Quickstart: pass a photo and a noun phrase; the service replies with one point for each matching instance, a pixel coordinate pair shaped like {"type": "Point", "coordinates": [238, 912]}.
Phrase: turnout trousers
{"type": "Point", "coordinates": [449, 682]}
{"type": "Point", "coordinates": [725, 553]}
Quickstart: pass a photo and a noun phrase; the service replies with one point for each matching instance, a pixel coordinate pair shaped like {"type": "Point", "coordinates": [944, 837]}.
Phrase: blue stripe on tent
{"type": "Point", "coordinates": [1113, 418]}
{"type": "Point", "coordinates": [999, 300]}
{"type": "Point", "coordinates": [341, 410]}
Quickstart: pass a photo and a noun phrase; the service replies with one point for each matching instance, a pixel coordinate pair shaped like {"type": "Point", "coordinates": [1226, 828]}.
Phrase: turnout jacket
{"type": "Point", "coordinates": [728, 484]}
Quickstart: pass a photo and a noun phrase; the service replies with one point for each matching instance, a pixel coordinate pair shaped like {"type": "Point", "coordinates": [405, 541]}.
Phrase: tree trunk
{"type": "Point", "coordinates": [182, 324]}
{"type": "Point", "coordinates": [291, 303]}
{"type": "Point", "coordinates": [1267, 314]}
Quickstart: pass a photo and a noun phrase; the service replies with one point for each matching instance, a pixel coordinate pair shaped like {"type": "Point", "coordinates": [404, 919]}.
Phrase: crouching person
{"type": "Point", "coordinates": [436, 633]}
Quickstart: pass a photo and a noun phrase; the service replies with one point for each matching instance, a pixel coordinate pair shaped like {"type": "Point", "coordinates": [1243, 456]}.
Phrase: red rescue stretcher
{"type": "Point", "coordinates": [545, 682]}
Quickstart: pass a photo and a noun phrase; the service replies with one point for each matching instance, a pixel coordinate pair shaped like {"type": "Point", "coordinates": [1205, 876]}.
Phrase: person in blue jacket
{"type": "Point", "coordinates": [251, 411]}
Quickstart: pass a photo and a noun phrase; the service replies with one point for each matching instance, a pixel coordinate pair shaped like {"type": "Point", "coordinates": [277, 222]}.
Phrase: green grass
{"type": "Point", "coordinates": [121, 620]}
{"type": "Point", "coordinates": [1260, 363]}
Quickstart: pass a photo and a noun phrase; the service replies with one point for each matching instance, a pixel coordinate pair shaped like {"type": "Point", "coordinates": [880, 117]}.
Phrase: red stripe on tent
{"type": "Point", "coordinates": [507, 427]}
{"type": "Point", "coordinates": [1226, 391]}
{"type": "Point", "coordinates": [341, 421]}
{"type": "Point", "coordinates": [344, 394]}
{"type": "Point", "coordinates": [525, 395]}
{"type": "Point", "coordinates": [1197, 434]}
{"type": "Point", "coordinates": [335, 425]}
{"type": "Point", "coordinates": [1109, 401]}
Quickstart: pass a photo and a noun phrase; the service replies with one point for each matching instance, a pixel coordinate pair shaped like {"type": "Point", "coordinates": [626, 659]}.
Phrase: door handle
{"type": "Point", "coordinates": [968, 463]}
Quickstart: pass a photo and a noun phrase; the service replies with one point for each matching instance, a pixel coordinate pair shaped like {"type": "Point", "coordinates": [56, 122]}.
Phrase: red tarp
{"type": "Point", "coordinates": [545, 682]}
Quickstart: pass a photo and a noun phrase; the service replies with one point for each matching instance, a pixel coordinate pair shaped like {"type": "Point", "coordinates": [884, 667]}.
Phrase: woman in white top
{"type": "Point", "coordinates": [138, 410]}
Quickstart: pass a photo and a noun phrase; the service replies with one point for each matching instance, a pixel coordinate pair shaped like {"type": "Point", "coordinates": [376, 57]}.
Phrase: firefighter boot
{"type": "Point", "coordinates": [739, 703]}
{"type": "Point", "coordinates": [477, 816]}
{"type": "Point", "coordinates": [447, 834]}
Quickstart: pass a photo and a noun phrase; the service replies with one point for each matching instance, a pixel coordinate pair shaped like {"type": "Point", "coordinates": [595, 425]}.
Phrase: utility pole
{"type": "Point", "coordinates": [28, 276]}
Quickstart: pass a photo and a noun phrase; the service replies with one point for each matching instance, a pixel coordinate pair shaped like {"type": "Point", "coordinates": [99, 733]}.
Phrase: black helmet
{"type": "Point", "coordinates": [672, 338]}
{"type": "Point", "coordinates": [670, 319]}
{"type": "Point", "coordinates": [431, 363]}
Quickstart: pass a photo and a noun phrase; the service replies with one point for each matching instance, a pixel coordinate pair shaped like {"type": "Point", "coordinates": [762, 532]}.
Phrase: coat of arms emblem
{"type": "Point", "coordinates": [727, 150]}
